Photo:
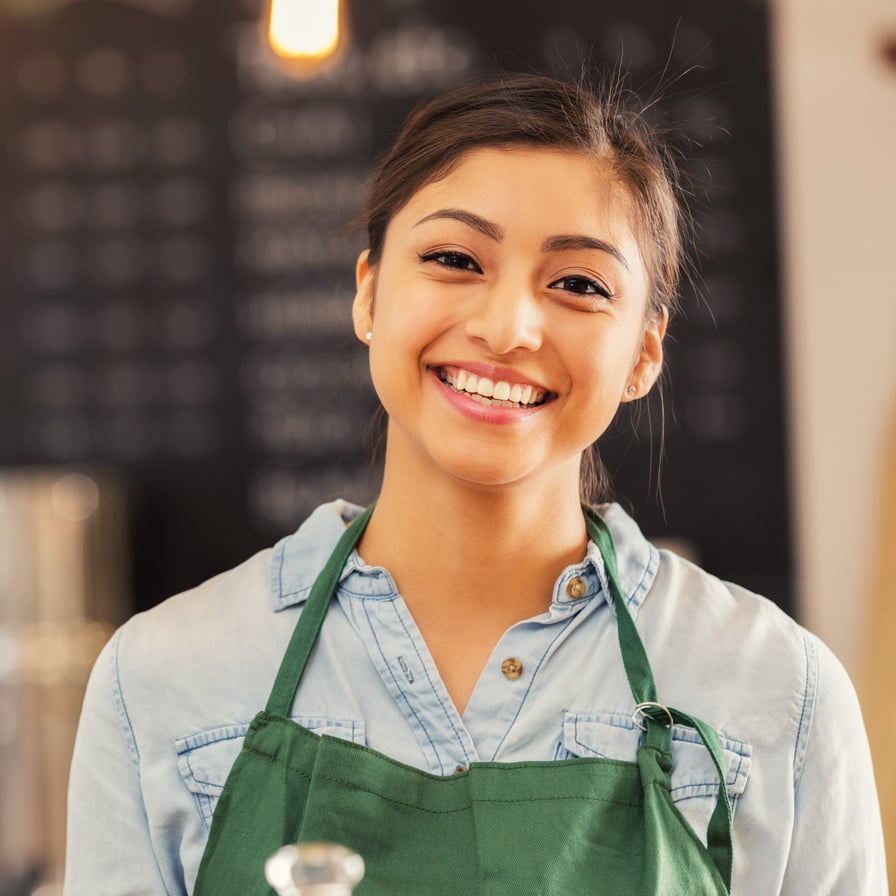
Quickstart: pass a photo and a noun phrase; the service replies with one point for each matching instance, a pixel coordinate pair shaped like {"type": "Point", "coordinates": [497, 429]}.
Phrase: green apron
{"type": "Point", "coordinates": [573, 826]}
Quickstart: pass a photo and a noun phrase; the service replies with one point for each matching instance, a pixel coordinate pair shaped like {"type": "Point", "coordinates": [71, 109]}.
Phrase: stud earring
{"type": "Point", "coordinates": [631, 391]}
{"type": "Point", "coordinates": [368, 335]}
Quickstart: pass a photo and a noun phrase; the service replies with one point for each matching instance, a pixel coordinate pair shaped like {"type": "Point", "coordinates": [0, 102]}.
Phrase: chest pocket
{"type": "Point", "coordinates": [205, 758]}
{"type": "Point", "coordinates": [694, 777]}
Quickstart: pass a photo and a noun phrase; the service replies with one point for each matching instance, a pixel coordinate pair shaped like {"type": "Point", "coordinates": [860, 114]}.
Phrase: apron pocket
{"type": "Point", "coordinates": [205, 758]}
{"type": "Point", "coordinates": [694, 778]}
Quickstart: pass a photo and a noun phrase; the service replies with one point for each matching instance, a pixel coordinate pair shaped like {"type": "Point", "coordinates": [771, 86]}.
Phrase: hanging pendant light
{"type": "Point", "coordinates": [306, 32]}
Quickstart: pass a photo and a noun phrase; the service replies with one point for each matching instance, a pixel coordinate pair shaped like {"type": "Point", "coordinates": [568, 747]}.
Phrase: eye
{"type": "Point", "coordinates": [581, 286]}
{"type": "Point", "coordinates": [456, 261]}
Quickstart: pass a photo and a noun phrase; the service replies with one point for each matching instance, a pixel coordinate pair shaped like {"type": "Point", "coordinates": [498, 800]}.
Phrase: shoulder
{"type": "Point", "coordinates": [737, 660]}
{"type": "Point", "coordinates": [693, 609]}
{"type": "Point", "coordinates": [211, 653]}
{"type": "Point", "coordinates": [722, 652]}
{"type": "Point", "coordinates": [739, 644]}
{"type": "Point", "coordinates": [165, 675]}
{"type": "Point", "coordinates": [776, 693]}
{"type": "Point", "coordinates": [196, 658]}
{"type": "Point", "coordinates": [222, 614]}
{"type": "Point", "coordinates": [704, 606]}
{"type": "Point", "coordinates": [201, 623]}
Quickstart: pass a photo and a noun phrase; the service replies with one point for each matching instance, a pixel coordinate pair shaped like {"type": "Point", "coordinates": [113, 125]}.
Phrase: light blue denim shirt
{"type": "Point", "coordinates": [172, 695]}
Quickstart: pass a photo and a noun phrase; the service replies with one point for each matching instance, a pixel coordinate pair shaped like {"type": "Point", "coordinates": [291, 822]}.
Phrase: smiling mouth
{"type": "Point", "coordinates": [496, 393]}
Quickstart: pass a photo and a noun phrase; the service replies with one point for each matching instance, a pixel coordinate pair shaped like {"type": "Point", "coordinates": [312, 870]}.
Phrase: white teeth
{"type": "Point", "coordinates": [485, 388]}
{"type": "Point", "coordinates": [499, 393]}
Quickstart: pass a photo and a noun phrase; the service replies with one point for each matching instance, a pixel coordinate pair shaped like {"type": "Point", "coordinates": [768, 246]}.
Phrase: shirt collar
{"type": "Point", "coordinates": [299, 557]}
{"type": "Point", "coordinates": [637, 560]}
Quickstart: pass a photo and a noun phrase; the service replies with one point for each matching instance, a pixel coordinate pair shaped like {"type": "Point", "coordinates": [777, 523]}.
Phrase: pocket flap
{"type": "Point", "coordinates": [205, 758]}
{"type": "Point", "coordinates": [615, 736]}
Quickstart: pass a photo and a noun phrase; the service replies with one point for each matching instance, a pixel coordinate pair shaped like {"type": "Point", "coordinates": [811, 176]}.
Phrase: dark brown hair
{"type": "Point", "coordinates": [542, 112]}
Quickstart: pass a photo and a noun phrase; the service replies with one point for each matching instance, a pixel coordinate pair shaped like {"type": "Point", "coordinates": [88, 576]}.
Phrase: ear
{"type": "Point", "coordinates": [362, 307]}
{"type": "Point", "coordinates": [649, 363]}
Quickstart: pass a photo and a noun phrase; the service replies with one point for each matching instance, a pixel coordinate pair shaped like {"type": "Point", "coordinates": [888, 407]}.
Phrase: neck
{"type": "Point", "coordinates": [497, 549]}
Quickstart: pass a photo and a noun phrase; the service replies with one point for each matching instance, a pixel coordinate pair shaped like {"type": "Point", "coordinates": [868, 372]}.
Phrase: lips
{"type": "Point", "coordinates": [495, 392]}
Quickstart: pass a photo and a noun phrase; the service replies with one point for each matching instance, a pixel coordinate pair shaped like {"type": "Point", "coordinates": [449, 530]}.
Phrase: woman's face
{"type": "Point", "coordinates": [509, 317]}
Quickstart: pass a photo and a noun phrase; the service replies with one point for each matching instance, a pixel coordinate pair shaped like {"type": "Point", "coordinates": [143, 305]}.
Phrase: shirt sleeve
{"type": "Point", "coordinates": [109, 850]}
{"type": "Point", "coordinates": [837, 845]}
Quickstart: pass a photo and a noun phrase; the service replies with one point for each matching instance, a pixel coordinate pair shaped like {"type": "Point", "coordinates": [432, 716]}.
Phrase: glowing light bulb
{"type": "Point", "coordinates": [304, 30]}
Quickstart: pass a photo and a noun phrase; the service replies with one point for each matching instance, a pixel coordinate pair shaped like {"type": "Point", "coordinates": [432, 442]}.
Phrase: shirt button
{"type": "Point", "coordinates": [460, 770]}
{"type": "Point", "coordinates": [576, 587]}
{"type": "Point", "coordinates": [512, 668]}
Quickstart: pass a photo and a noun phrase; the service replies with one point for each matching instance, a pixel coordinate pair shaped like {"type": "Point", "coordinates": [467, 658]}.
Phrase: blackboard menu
{"type": "Point", "coordinates": [178, 271]}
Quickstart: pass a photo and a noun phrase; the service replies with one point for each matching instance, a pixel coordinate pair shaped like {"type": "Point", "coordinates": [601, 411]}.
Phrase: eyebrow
{"type": "Point", "coordinates": [574, 241]}
{"type": "Point", "coordinates": [495, 232]}
{"type": "Point", "coordinates": [492, 231]}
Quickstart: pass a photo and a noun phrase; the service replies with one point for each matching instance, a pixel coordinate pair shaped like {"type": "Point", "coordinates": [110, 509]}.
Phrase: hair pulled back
{"type": "Point", "coordinates": [537, 111]}
{"type": "Point", "coordinates": [542, 112]}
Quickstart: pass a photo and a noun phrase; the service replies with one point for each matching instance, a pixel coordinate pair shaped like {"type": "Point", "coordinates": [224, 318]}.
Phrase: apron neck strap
{"type": "Point", "coordinates": [634, 657]}
{"type": "Point", "coordinates": [304, 636]}
{"type": "Point", "coordinates": [658, 718]}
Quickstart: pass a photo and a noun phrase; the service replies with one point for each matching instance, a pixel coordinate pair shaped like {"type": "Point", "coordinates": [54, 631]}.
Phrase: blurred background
{"type": "Point", "coordinates": [179, 382]}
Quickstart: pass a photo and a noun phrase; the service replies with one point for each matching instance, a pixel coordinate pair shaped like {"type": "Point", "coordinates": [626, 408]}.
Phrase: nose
{"type": "Point", "coordinates": [507, 318]}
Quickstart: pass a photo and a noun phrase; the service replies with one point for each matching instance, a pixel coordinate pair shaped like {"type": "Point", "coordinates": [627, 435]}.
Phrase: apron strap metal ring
{"type": "Point", "coordinates": [640, 713]}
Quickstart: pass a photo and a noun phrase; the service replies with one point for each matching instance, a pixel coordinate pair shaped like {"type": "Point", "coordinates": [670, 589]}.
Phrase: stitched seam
{"type": "Point", "coordinates": [206, 809]}
{"type": "Point", "coordinates": [525, 696]}
{"type": "Point", "coordinates": [641, 587]}
{"type": "Point", "coordinates": [189, 748]}
{"type": "Point", "coordinates": [739, 752]}
{"type": "Point", "coordinates": [398, 687]}
{"type": "Point", "coordinates": [435, 690]}
{"type": "Point", "coordinates": [204, 801]}
{"type": "Point", "coordinates": [680, 733]}
{"type": "Point", "coordinates": [579, 743]}
{"type": "Point", "coordinates": [802, 739]}
{"type": "Point", "coordinates": [734, 770]}
{"type": "Point", "coordinates": [308, 775]}
{"type": "Point", "coordinates": [196, 778]}
{"type": "Point", "coordinates": [281, 547]}
{"type": "Point", "coordinates": [187, 753]}
{"type": "Point", "coordinates": [120, 707]}
{"type": "Point", "coordinates": [427, 775]}
{"type": "Point", "coordinates": [209, 736]}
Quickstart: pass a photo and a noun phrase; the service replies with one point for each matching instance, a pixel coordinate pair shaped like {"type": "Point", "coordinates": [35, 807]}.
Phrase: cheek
{"type": "Point", "coordinates": [386, 381]}
{"type": "Point", "coordinates": [411, 314]}
{"type": "Point", "coordinates": [394, 352]}
{"type": "Point", "coordinates": [604, 355]}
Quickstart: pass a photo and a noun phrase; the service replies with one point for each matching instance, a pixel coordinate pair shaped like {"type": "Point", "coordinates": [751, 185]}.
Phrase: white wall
{"type": "Point", "coordinates": [837, 124]}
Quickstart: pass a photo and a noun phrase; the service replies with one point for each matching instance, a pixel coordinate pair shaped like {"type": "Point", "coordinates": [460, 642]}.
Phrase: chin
{"type": "Point", "coordinates": [483, 475]}
{"type": "Point", "coordinates": [497, 476]}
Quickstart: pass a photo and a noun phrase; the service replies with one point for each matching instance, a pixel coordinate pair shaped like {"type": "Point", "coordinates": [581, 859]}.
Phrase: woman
{"type": "Point", "coordinates": [464, 697]}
